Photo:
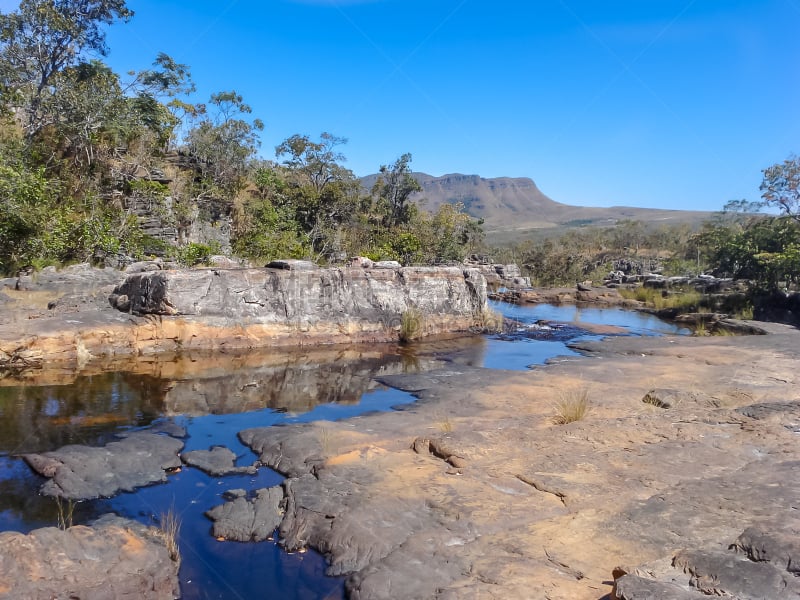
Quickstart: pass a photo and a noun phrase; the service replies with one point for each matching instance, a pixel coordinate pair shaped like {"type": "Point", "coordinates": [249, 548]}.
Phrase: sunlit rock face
{"type": "Point", "coordinates": [257, 307]}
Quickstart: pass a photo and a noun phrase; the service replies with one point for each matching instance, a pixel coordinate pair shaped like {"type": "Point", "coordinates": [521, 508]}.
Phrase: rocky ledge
{"type": "Point", "coordinates": [114, 558]}
{"type": "Point", "coordinates": [159, 310]}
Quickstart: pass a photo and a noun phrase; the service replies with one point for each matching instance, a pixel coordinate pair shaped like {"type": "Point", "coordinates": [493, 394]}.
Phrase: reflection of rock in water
{"type": "Point", "coordinates": [295, 387]}
{"type": "Point", "coordinates": [89, 411]}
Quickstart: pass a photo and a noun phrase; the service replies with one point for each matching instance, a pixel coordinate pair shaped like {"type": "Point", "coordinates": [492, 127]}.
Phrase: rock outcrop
{"type": "Point", "coordinates": [212, 309]}
{"type": "Point", "coordinates": [244, 519]}
{"type": "Point", "coordinates": [113, 559]}
{"type": "Point", "coordinates": [86, 472]}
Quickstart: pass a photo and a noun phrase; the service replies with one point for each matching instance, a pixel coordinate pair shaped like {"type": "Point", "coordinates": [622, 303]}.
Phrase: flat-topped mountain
{"type": "Point", "coordinates": [511, 206]}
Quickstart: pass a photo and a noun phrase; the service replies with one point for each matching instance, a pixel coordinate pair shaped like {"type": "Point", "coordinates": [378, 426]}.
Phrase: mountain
{"type": "Point", "coordinates": [512, 207]}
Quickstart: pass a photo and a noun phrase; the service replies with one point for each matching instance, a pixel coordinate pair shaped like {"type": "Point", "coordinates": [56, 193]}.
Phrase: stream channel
{"type": "Point", "coordinates": [214, 397]}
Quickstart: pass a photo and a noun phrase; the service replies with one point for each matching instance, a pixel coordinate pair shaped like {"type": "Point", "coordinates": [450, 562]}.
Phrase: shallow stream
{"type": "Point", "coordinates": [214, 397]}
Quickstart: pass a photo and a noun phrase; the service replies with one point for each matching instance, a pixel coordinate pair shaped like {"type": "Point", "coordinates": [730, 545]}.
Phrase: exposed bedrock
{"type": "Point", "coordinates": [86, 472]}
{"type": "Point", "coordinates": [113, 559]}
{"type": "Point", "coordinates": [219, 309]}
{"type": "Point", "coordinates": [475, 491]}
{"type": "Point", "coordinates": [244, 519]}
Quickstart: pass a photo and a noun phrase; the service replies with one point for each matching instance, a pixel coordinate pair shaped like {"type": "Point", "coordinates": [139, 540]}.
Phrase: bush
{"type": "Point", "coordinates": [196, 254]}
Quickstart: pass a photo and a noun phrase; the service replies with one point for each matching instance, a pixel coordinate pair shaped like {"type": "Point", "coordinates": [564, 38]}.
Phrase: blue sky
{"type": "Point", "coordinates": [660, 103]}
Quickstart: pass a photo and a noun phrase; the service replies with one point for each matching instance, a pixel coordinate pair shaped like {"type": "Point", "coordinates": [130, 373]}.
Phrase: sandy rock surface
{"type": "Point", "coordinates": [113, 559]}
{"type": "Point", "coordinates": [475, 492]}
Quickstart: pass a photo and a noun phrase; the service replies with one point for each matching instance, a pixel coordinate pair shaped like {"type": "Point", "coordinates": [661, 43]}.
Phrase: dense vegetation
{"type": "Point", "coordinates": [96, 165]}
{"type": "Point", "coordinates": [87, 156]}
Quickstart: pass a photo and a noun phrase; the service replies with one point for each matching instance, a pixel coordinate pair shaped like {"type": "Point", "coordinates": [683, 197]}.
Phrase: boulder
{"type": "Point", "coordinates": [113, 558]}
{"type": "Point", "coordinates": [84, 472]}
{"type": "Point", "coordinates": [387, 264]}
{"type": "Point", "coordinates": [217, 462]}
{"type": "Point", "coordinates": [291, 264]}
{"type": "Point", "coordinates": [246, 520]}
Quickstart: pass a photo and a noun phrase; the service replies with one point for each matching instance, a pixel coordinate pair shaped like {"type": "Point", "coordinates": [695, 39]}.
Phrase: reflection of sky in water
{"type": "Point", "coordinates": [634, 321]}
{"type": "Point", "coordinates": [524, 352]}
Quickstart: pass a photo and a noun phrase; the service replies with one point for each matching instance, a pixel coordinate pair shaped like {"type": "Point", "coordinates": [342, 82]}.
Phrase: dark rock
{"type": "Point", "coordinates": [292, 265]}
{"type": "Point", "coordinates": [786, 414]}
{"type": "Point", "coordinates": [285, 450]}
{"type": "Point", "coordinates": [633, 587]}
{"type": "Point", "coordinates": [245, 520]}
{"type": "Point", "coordinates": [778, 548]}
{"type": "Point", "coordinates": [217, 462]}
{"type": "Point", "coordinates": [333, 299]}
{"type": "Point", "coordinates": [112, 559]}
{"type": "Point", "coordinates": [726, 574]}
{"type": "Point", "coordinates": [739, 327]}
{"type": "Point", "coordinates": [84, 473]}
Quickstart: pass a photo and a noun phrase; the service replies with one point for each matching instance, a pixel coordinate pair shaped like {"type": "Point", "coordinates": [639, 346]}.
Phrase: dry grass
{"type": "Point", "coordinates": [573, 405]}
{"type": "Point", "coordinates": [411, 325]}
{"type": "Point", "coordinates": [170, 527]}
{"type": "Point", "coordinates": [66, 512]}
{"type": "Point", "coordinates": [444, 424]}
{"type": "Point", "coordinates": [490, 321]}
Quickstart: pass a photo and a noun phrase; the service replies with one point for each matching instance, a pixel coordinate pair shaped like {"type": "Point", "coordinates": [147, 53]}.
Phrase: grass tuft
{"type": "Point", "coordinates": [490, 321]}
{"type": "Point", "coordinates": [573, 405]}
{"type": "Point", "coordinates": [411, 323]}
{"type": "Point", "coordinates": [66, 512]}
{"type": "Point", "coordinates": [170, 527]}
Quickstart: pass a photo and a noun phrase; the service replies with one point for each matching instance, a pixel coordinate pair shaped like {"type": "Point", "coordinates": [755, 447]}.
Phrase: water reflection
{"type": "Point", "coordinates": [88, 411]}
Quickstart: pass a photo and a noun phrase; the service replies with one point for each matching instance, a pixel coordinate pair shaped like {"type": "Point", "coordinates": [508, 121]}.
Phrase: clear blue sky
{"type": "Point", "coordinates": [662, 103]}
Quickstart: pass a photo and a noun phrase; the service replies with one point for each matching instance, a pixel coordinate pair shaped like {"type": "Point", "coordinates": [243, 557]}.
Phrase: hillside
{"type": "Point", "coordinates": [513, 207]}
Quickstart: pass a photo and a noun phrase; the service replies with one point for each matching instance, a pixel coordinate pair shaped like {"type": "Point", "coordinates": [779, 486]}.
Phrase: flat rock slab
{"type": "Point", "coordinates": [85, 472]}
{"type": "Point", "coordinates": [217, 462]}
{"type": "Point", "coordinates": [248, 519]}
{"type": "Point", "coordinates": [114, 558]}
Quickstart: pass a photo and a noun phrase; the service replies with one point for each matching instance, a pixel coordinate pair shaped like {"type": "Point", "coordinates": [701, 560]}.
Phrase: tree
{"type": "Point", "coordinates": [316, 162]}
{"type": "Point", "coordinates": [781, 187]}
{"type": "Point", "coordinates": [41, 39]}
{"type": "Point", "coordinates": [394, 188]}
{"type": "Point", "coordinates": [322, 192]}
{"type": "Point", "coordinates": [224, 142]}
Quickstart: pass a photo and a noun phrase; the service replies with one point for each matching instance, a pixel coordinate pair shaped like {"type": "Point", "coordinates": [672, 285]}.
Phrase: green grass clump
{"type": "Point", "coordinates": [686, 301]}
{"type": "Point", "coordinates": [573, 405]}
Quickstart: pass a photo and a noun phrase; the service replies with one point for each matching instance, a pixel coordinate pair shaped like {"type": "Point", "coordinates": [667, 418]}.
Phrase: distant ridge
{"type": "Point", "coordinates": [516, 204]}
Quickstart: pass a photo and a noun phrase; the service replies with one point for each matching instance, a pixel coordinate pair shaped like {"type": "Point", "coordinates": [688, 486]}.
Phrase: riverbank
{"type": "Point", "coordinates": [476, 492]}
